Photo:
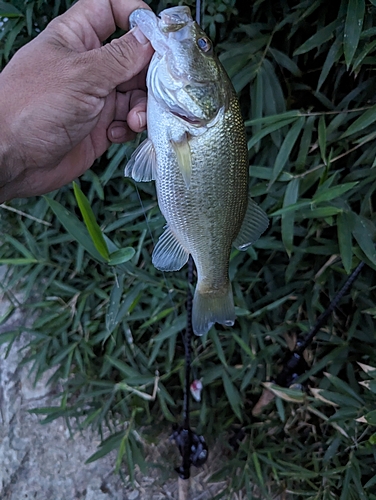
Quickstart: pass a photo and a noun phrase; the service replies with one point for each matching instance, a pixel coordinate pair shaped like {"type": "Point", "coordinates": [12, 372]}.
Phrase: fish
{"type": "Point", "coordinates": [196, 152]}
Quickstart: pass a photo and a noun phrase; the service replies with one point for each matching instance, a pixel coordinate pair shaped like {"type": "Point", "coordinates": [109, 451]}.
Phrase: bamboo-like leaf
{"type": "Point", "coordinates": [353, 28]}
{"type": "Point", "coordinates": [90, 222]}
{"type": "Point", "coordinates": [244, 346]}
{"type": "Point", "coordinates": [268, 130]}
{"type": "Point", "coordinates": [124, 443]}
{"type": "Point", "coordinates": [274, 119]}
{"type": "Point", "coordinates": [232, 394]}
{"type": "Point", "coordinates": [121, 256]}
{"type": "Point", "coordinates": [369, 370]}
{"type": "Point", "coordinates": [244, 77]}
{"type": "Point", "coordinates": [6, 314]}
{"type": "Point", "coordinates": [130, 298]}
{"type": "Point", "coordinates": [16, 30]}
{"type": "Point", "coordinates": [370, 47]}
{"type": "Point", "coordinates": [114, 305]}
{"type": "Point", "coordinates": [366, 119]}
{"type": "Point", "coordinates": [274, 101]}
{"type": "Point", "coordinates": [29, 17]}
{"type": "Point", "coordinates": [286, 148]}
{"type": "Point", "coordinates": [257, 465]}
{"type": "Point", "coordinates": [19, 262]}
{"type": "Point", "coordinates": [18, 246]}
{"type": "Point", "coordinates": [345, 240]}
{"type": "Point", "coordinates": [318, 394]}
{"type": "Point", "coordinates": [177, 326]}
{"type": "Point", "coordinates": [283, 60]}
{"type": "Point", "coordinates": [288, 218]}
{"type": "Point", "coordinates": [322, 137]}
{"type": "Point", "coordinates": [343, 387]}
{"type": "Point", "coordinates": [257, 101]}
{"type": "Point", "coordinates": [213, 335]}
{"type": "Point", "coordinates": [363, 231]}
{"type": "Point", "coordinates": [74, 227]}
{"type": "Point", "coordinates": [335, 398]}
{"type": "Point", "coordinates": [370, 417]}
{"type": "Point", "coordinates": [291, 395]}
{"type": "Point", "coordinates": [322, 36]}
{"type": "Point", "coordinates": [8, 337]}
{"type": "Point", "coordinates": [318, 213]}
{"type": "Point", "coordinates": [331, 193]}
{"type": "Point", "coordinates": [109, 444]}
{"type": "Point", "coordinates": [8, 10]}
{"type": "Point", "coordinates": [333, 56]}
{"type": "Point", "coordinates": [305, 143]}
{"type": "Point", "coordinates": [126, 370]}
{"type": "Point", "coordinates": [274, 92]}
{"type": "Point", "coordinates": [372, 439]}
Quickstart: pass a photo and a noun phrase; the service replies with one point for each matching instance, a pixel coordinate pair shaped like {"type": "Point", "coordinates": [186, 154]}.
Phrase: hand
{"type": "Point", "coordinates": [64, 97]}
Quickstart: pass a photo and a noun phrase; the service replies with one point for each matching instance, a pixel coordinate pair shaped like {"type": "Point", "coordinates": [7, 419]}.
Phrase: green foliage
{"type": "Point", "coordinates": [305, 75]}
{"type": "Point", "coordinates": [22, 20]}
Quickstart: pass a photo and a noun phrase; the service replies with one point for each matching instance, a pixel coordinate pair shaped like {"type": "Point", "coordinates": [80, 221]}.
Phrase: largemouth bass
{"type": "Point", "coordinates": [197, 154]}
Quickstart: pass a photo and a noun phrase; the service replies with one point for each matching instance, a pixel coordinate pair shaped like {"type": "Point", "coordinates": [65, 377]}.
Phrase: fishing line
{"type": "Point", "coordinates": [198, 12]}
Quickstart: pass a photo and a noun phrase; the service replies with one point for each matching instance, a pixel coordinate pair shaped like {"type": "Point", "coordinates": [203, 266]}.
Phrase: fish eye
{"type": "Point", "coordinates": [204, 44]}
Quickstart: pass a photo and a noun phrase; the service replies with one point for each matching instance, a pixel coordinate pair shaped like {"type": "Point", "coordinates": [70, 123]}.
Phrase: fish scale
{"type": "Point", "coordinates": [196, 152]}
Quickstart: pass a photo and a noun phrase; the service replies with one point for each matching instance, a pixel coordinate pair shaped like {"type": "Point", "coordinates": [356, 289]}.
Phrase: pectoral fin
{"type": "Point", "coordinates": [168, 254]}
{"type": "Point", "coordinates": [183, 153]}
{"type": "Point", "coordinates": [254, 224]}
{"type": "Point", "coordinates": [142, 166]}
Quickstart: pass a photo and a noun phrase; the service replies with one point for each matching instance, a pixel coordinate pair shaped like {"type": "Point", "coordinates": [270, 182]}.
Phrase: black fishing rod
{"type": "Point", "coordinates": [294, 364]}
{"type": "Point", "coordinates": [192, 447]}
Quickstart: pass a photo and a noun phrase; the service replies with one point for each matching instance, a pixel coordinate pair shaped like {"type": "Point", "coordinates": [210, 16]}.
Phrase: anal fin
{"type": "Point", "coordinates": [142, 166]}
{"type": "Point", "coordinates": [169, 254]}
{"type": "Point", "coordinates": [254, 224]}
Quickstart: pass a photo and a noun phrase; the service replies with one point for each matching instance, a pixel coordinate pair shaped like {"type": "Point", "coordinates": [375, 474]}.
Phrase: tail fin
{"type": "Point", "coordinates": [209, 309]}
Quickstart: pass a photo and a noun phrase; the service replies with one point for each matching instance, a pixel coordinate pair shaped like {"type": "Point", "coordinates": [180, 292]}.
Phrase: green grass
{"type": "Point", "coordinates": [107, 322]}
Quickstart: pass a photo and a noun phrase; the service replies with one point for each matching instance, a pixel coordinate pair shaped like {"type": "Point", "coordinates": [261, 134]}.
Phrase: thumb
{"type": "Point", "coordinates": [120, 60]}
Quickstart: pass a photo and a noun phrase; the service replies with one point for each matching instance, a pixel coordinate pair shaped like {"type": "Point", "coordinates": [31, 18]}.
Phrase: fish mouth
{"type": "Point", "coordinates": [157, 29]}
{"type": "Point", "coordinates": [175, 18]}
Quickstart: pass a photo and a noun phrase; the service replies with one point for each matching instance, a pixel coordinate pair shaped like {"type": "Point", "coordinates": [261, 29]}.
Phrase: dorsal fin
{"type": "Point", "coordinates": [254, 224]}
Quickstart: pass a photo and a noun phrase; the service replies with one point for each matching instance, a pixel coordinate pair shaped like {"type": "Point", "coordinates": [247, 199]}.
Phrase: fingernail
{"type": "Point", "coordinates": [139, 36]}
{"type": "Point", "coordinates": [141, 115]}
{"type": "Point", "coordinates": [117, 133]}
